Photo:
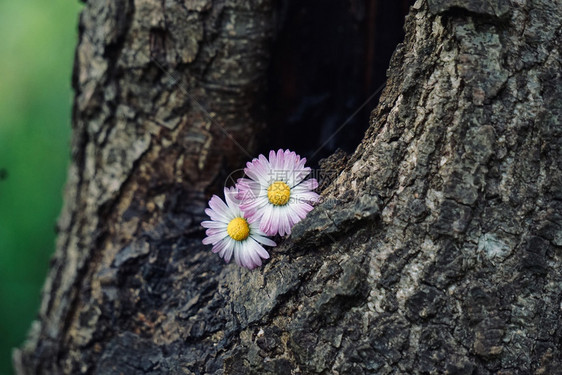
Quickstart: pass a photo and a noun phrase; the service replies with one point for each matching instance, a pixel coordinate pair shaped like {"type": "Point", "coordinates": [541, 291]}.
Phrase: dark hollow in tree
{"type": "Point", "coordinates": [328, 67]}
{"type": "Point", "coordinates": [437, 248]}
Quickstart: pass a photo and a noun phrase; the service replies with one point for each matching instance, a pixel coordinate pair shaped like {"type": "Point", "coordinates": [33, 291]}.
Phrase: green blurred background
{"type": "Point", "coordinates": [36, 55]}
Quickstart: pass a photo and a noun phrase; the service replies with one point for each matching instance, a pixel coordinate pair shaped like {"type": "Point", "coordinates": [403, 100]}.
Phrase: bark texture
{"type": "Point", "coordinates": [437, 249]}
{"type": "Point", "coordinates": [168, 97]}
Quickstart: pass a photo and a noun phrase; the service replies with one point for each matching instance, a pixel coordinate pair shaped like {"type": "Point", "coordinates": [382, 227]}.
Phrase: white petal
{"type": "Point", "coordinates": [264, 240]}
{"type": "Point", "coordinates": [293, 216]}
{"type": "Point", "coordinates": [230, 197]}
{"type": "Point", "coordinates": [254, 206]}
{"type": "Point", "coordinates": [284, 223]}
{"type": "Point", "coordinates": [245, 258]}
{"type": "Point", "coordinates": [279, 219]}
{"type": "Point", "coordinates": [213, 224]}
{"type": "Point", "coordinates": [219, 206]}
{"type": "Point", "coordinates": [275, 219]}
{"type": "Point", "coordinates": [301, 209]}
{"type": "Point", "coordinates": [260, 250]}
{"type": "Point", "coordinates": [265, 221]}
{"type": "Point", "coordinates": [236, 249]}
{"type": "Point", "coordinates": [220, 246]}
{"type": "Point", "coordinates": [213, 239]}
{"type": "Point", "coordinates": [212, 231]}
{"type": "Point", "coordinates": [300, 174]}
{"type": "Point", "coordinates": [305, 196]}
{"type": "Point", "coordinates": [256, 260]}
{"type": "Point", "coordinates": [309, 184]}
{"type": "Point", "coordinates": [229, 250]}
{"type": "Point", "coordinates": [216, 216]}
{"type": "Point", "coordinates": [252, 256]}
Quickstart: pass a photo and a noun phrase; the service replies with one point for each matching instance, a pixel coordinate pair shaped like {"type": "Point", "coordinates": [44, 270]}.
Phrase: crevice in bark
{"type": "Point", "coordinates": [316, 83]}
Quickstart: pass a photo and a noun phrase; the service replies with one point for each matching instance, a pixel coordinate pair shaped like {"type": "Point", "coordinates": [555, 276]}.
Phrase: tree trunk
{"type": "Point", "coordinates": [437, 248]}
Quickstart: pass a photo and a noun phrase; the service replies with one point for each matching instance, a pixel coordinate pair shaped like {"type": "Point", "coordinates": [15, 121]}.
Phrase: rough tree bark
{"type": "Point", "coordinates": [437, 249]}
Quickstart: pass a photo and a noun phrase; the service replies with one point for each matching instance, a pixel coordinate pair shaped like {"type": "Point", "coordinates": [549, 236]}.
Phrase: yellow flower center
{"type": "Point", "coordinates": [278, 193]}
{"type": "Point", "coordinates": [238, 229]}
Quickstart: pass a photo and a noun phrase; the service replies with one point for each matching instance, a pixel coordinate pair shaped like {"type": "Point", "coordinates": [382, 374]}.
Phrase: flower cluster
{"type": "Point", "coordinates": [270, 201]}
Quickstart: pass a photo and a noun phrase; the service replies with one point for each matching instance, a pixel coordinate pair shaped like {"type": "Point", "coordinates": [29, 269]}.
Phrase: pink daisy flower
{"type": "Point", "coordinates": [276, 192]}
{"type": "Point", "coordinates": [232, 233]}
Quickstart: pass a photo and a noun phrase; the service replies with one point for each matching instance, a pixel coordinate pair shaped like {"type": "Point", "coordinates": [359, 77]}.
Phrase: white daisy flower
{"type": "Point", "coordinates": [276, 192]}
{"type": "Point", "coordinates": [232, 233]}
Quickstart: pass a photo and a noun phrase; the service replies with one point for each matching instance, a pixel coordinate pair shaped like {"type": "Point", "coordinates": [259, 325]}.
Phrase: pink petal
{"type": "Point", "coordinates": [220, 246]}
{"type": "Point", "coordinates": [216, 216]}
{"type": "Point", "coordinates": [250, 207]}
{"type": "Point", "coordinates": [257, 170]}
{"type": "Point", "coordinates": [247, 189]}
{"type": "Point", "coordinates": [218, 205]}
{"type": "Point", "coordinates": [273, 159]}
{"type": "Point", "coordinates": [280, 159]}
{"type": "Point", "coordinates": [265, 223]}
{"type": "Point", "coordinates": [266, 165]}
{"type": "Point", "coordinates": [290, 158]}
